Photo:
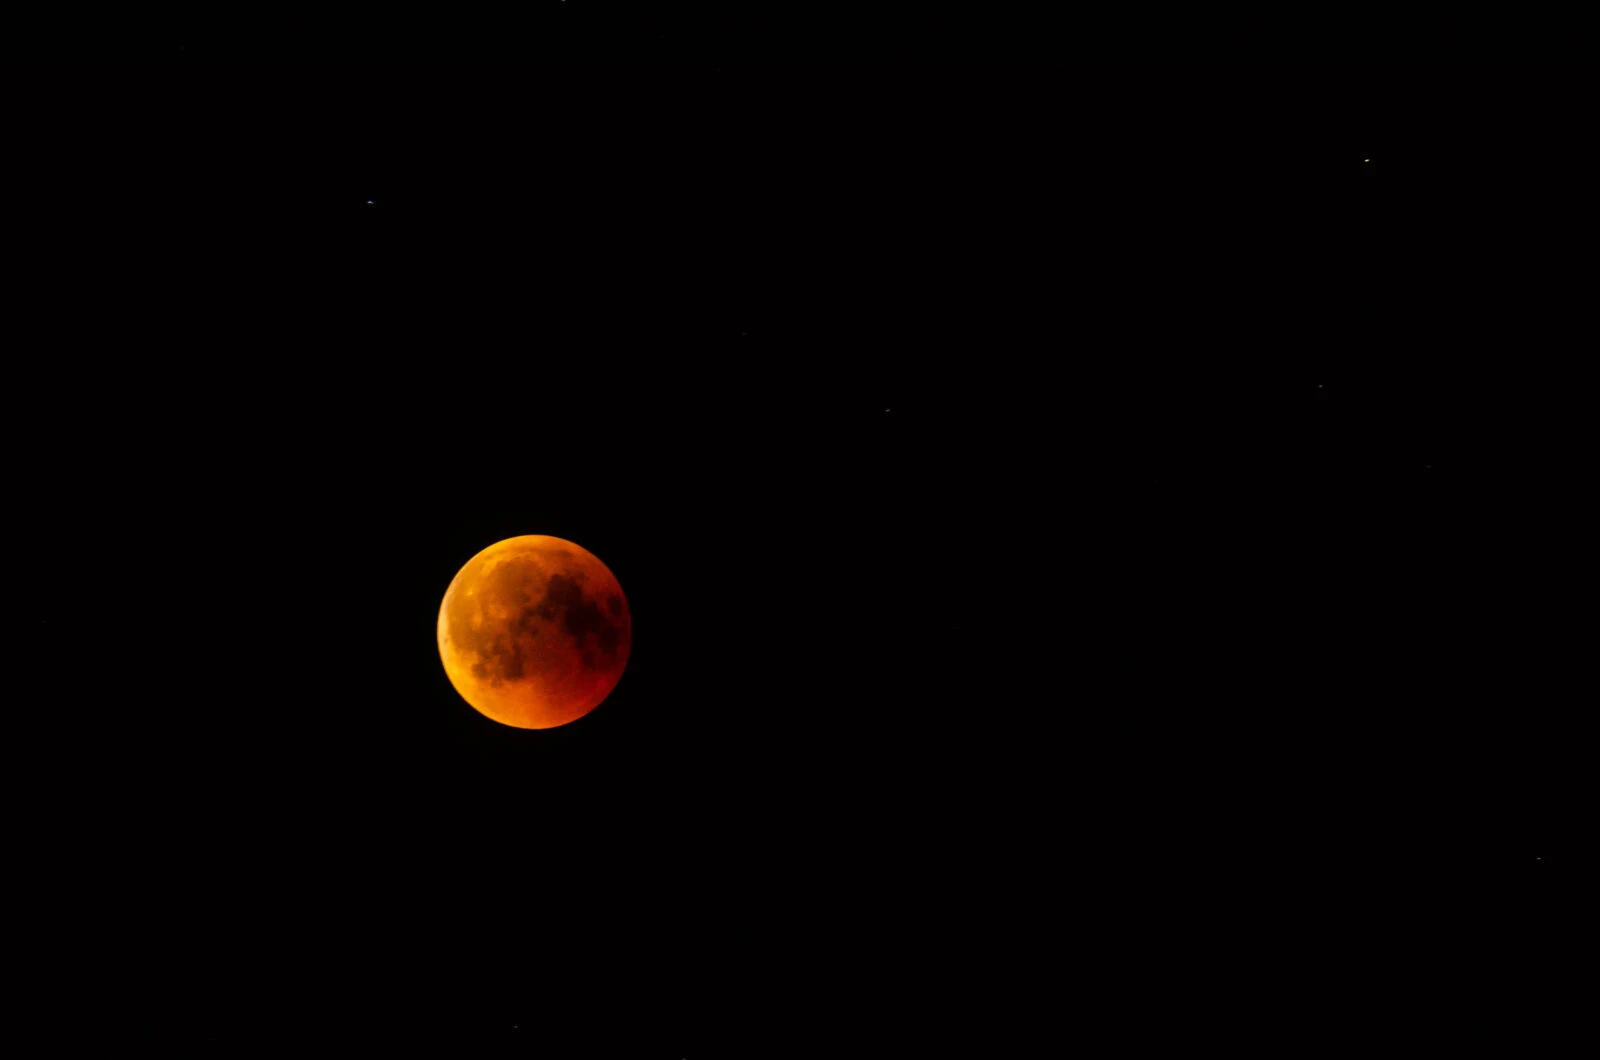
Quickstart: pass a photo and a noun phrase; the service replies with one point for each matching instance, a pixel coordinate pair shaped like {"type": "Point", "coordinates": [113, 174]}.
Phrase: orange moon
{"type": "Point", "coordinates": [534, 632]}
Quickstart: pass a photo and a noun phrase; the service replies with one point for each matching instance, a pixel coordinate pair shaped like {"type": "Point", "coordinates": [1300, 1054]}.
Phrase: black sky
{"type": "Point", "coordinates": [1099, 533]}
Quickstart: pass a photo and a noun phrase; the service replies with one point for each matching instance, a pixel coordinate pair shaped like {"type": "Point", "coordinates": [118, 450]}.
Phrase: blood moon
{"type": "Point", "coordinates": [534, 632]}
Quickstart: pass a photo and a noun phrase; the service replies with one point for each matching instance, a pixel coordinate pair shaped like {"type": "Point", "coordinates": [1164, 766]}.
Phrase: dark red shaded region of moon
{"type": "Point", "coordinates": [534, 632]}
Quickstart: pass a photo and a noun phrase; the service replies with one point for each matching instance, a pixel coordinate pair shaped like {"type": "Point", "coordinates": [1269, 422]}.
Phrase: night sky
{"type": "Point", "coordinates": [1100, 531]}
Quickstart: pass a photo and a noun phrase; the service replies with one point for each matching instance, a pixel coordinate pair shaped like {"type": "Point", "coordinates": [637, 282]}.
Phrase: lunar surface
{"type": "Point", "coordinates": [534, 632]}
